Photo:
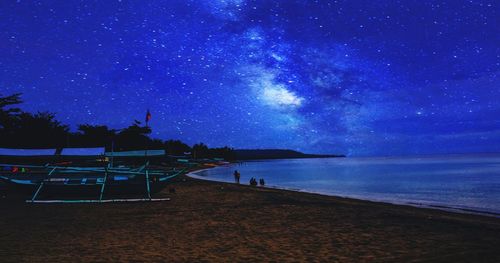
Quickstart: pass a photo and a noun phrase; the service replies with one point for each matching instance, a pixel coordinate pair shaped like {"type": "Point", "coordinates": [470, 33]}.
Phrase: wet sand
{"type": "Point", "coordinates": [212, 222]}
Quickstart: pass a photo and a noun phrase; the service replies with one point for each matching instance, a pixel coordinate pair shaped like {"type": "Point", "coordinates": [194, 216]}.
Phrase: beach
{"type": "Point", "coordinates": [220, 222]}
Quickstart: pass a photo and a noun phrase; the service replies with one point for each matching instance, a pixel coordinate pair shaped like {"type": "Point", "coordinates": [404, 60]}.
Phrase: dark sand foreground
{"type": "Point", "coordinates": [207, 221]}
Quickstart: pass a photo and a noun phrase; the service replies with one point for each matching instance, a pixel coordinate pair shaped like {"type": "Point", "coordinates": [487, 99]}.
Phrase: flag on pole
{"type": "Point", "coordinates": [148, 116]}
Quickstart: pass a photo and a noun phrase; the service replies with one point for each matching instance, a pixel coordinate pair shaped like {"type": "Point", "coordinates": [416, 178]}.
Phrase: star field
{"type": "Point", "coordinates": [354, 77]}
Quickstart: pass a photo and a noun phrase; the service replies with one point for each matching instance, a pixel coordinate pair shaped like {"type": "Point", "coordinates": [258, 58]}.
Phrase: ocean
{"type": "Point", "coordinates": [469, 183]}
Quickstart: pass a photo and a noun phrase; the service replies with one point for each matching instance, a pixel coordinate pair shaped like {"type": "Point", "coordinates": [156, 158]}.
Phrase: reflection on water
{"type": "Point", "coordinates": [458, 181]}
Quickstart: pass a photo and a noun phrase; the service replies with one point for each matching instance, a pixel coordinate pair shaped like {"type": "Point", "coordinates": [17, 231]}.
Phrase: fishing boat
{"type": "Point", "coordinates": [64, 180]}
{"type": "Point", "coordinates": [83, 172]}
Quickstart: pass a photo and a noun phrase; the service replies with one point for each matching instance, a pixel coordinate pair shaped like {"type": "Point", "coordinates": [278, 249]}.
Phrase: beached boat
{"type": "Point", "coordinates": [82, 176]}
{"type": "Point", "coordinates": [80, 179]}
{"type": "Point", "coordinates": [85, 181]}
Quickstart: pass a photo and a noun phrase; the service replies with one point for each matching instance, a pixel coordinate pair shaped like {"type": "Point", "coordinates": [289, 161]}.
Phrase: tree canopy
{"type": "Point", "coordinates": [19, 129]}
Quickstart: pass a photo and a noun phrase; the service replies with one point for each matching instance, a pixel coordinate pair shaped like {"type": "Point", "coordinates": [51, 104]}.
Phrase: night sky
{"type": "Point", "coordinates": [353, 77]}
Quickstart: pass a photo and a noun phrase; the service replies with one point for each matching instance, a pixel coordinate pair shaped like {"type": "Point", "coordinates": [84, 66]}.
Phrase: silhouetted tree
{"type": "Point", "coordinates": [223, 152]}
{"type": "Point", "coordinates": [200, 150]}
{"type": "Point", "coordinates": [9, 114]}
{"type": "Point", "coordinates": [94, 136]}
{"type": "Point", "coordinates": [20, 129]}
{"type": "Point", "coordinates": [155, 144]}
{"type": "Point", "coordinates": [176, 147]}
{"type": "Point", "coordinates": [37, 130]}
{"type": "Point", "coordinates": [133, 137]}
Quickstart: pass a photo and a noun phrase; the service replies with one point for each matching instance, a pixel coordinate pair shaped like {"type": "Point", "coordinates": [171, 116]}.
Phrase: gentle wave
{"type": "Point", "coordinates": [467, 183]}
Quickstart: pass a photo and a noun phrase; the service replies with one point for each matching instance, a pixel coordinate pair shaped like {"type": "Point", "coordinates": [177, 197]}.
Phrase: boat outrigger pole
{"type": "Point", "coordinates": [41, 185]}
{"type": "Point", "coordinates": [147, 185]}
{"type": "Point", "coordinates": [104, 183]}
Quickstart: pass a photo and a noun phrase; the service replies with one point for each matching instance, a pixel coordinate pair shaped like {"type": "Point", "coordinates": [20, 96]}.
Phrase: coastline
{"type": "Point", "coordinates": [216, 221]}
{"type": "Point", "coordinates": [460, 210]}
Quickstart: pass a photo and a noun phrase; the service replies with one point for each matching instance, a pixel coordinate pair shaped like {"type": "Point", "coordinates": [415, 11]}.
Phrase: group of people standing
{"type": "Point", "coordinates": [253, 181]}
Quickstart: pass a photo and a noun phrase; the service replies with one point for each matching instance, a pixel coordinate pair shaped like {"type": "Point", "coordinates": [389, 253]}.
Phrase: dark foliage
{"type": "Point", "coordinates": [9, 114]}
{"type": "Point", "coordinates": [133, 137]}
{"type": "Point", "coordinates": [202, 151]}
{"type": "Point", "coordinates": [93, 136]}
{"type": "Point", "coordinates": [29, 130]}
{"type": "Point", "coordinates": [20, 129]}
{"type": "Point", "coordinates": [176, 147]}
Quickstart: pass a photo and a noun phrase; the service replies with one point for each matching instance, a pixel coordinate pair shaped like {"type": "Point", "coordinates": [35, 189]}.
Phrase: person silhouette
{"type": "Point", "coordinates": [253, 181]}
{"type": "Point", "coordinates": [236, 176]}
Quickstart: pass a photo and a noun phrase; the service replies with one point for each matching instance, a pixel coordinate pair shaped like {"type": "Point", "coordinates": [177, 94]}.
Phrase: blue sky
{"type": "Point", "coordinates": [354, 77]}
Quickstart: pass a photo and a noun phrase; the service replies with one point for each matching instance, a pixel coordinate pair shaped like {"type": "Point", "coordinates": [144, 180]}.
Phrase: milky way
{"type": "Point", "coordinates": [354, 77]}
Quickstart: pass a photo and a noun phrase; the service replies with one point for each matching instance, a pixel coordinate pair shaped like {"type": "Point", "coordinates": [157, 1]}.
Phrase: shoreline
{"type": "Point", "coordinates": [459, 210]}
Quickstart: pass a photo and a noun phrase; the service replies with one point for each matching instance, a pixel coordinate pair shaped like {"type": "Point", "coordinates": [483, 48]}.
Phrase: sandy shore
{"type": "Point", "coordinates": [212, 222]}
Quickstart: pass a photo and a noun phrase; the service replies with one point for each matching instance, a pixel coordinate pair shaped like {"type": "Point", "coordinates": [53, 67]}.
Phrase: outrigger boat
{"type": "Point", "coordinates": [62, 179]}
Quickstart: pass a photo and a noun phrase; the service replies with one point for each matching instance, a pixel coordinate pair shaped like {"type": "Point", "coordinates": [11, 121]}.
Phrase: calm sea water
{"type": "Point", "coordinates": [465, 182]}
